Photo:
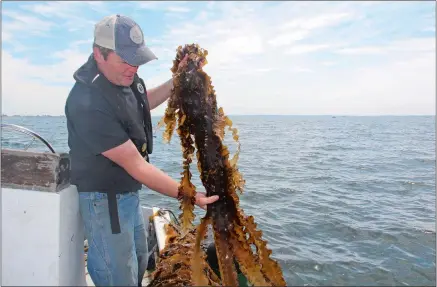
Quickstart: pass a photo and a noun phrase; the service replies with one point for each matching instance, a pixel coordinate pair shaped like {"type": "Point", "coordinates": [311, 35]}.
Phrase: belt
{"type": "Point", "coordinates": [113, 213]}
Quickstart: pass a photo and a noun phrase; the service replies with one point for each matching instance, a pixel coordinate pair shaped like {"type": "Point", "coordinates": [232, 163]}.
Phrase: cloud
{"type": "Point", "coordinates": [170, 6]}
{"type": "Point", "coordinates": [321, 21]}
{"type": "Point", "coordinates": [361, 50]}
{"type": "Point", "coordinates": [411, 45]}
{"type": "Point", "coordinates": [264, 57]}
{"type": "Point", "coordinates": [68, 14]}
{"type": "Point", "coordinates": [328, 63]}
{"type": "Point", "coordinates": [76, 44]}
{"type": "Point", "coordinates": [395, 88]}
{"type": "Point", "coordinates": [6, 36]}
{"type": "Point", "coordinates": [297, 69]}
{"type": "Point", "coordinates": [65, 9]}
{"type": "Point", "coordinates": [288, 38]}
{"type": "Point", "coordinates": [148, 4]}
{"type": "Point", "coordinates": [52, 9]}
{"type": "Point", "coordinates": [302, 49]}
{"type": "Point", "coordinates": [21, 22]}
{"type": "Point", "coordinates": [178, 9]}
{"type": "Point", "coordinates": [29, 89]}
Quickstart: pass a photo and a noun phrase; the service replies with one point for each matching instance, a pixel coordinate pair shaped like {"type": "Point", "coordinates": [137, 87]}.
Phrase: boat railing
{"type": "Point", "coordinates": [28, 132]}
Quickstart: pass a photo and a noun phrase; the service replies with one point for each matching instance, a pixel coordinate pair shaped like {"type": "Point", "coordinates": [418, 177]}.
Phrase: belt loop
{"type": "Point", "coordinates": [113, 212]}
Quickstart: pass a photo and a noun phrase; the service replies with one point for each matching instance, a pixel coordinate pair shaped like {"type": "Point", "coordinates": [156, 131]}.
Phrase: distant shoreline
{"type": "Point", "coordinates": [268, 115]}
{"type": "Point", "coordinates": [262, 115]}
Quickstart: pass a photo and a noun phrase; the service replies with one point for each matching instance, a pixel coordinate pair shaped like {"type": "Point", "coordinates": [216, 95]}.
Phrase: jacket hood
{"type": "Point", "coordinates": [87, 72]}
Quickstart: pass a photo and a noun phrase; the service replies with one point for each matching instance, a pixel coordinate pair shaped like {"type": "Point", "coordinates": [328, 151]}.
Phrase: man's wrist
{"type": "Point", "coordinates": [170, 82]}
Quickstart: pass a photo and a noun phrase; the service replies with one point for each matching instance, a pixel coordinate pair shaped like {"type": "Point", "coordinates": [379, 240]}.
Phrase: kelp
{"type": "Point", "coordinates": [176, 261]}
{"type": "Point", "coordinates": [192, 110]}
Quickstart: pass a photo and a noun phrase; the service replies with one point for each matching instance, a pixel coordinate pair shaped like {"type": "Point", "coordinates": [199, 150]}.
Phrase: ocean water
{"type": "Point", "coordinates": [341, 201]}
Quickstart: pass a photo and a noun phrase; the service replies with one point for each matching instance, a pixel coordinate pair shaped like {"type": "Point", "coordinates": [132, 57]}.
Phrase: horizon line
{"type": "Point", "coordinates": [285, 115]}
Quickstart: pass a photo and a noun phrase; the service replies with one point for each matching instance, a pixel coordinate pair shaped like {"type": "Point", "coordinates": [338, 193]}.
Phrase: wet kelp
{"type": "Point", "coordinates": [175, 262]}
{"type": "Point", "coordinates": [201, 127]}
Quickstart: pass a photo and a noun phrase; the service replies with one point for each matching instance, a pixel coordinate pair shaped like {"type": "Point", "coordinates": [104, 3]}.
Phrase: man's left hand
{"type": "Point", "coordinates": [184, 61]}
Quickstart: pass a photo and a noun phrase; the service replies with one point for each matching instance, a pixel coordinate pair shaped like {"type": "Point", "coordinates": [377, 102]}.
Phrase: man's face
{"type": "Point", "coordinates": [116, 69]}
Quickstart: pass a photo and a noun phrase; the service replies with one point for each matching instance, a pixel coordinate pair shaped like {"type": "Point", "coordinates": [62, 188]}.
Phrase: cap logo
{"type": "Point", "coordinates": [140, 88]}
{"type": "Point", "coordinates": [135, 35]}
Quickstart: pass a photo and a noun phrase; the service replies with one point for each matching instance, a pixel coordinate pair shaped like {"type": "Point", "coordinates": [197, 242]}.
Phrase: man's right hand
{"type": "Point", "coordinates": [202, 200]}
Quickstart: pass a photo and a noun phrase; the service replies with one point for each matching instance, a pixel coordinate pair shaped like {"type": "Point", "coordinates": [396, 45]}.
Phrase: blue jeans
{"type": "Point", "coordinates": [114, 259]}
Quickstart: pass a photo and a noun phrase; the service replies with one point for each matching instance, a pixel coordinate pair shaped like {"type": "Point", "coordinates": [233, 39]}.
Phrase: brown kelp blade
{"type": "Point", "coordinates": [248, 262]}
{"type": "Point", "coordinates": [226, 260]}
{"type": "Point", "coordinates": [187, 191]}
{"type": "Point", "coordinates": [269, 267]}
{"type": "Point", "coordinates": [199, 278]}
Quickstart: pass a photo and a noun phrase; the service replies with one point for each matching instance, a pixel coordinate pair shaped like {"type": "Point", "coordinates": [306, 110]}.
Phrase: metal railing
{"type": "Point", "coordinates": [30, 133]}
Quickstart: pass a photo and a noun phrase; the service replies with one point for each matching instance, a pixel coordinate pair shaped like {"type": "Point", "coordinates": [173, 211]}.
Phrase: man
{"type": "Point", "coordinates": [110, 139]}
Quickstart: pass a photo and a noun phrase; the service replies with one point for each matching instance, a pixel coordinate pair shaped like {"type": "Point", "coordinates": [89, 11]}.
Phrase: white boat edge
{"type": "Point", "coordinates": [42, 232]}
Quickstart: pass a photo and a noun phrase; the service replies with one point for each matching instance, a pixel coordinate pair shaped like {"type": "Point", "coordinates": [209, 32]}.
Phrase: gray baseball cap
{"type": "Point", "coordinates": [125, 37]}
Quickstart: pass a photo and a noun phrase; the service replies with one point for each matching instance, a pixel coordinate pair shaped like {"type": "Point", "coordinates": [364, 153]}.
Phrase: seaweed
{"type": "Point", "coordinates": [201, 127]}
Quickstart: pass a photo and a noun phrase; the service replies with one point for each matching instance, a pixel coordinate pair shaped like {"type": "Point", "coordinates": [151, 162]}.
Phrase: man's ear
{"type": "Point", "coordinates": [98, 56]}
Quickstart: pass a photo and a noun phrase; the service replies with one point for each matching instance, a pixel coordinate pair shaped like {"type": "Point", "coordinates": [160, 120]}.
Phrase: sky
{"type": "Point", "coordinates": [285, 58]}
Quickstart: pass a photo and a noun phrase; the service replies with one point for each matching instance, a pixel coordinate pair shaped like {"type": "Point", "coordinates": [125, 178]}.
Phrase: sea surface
{"type": "Point", "coordinates": [340, 200]}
